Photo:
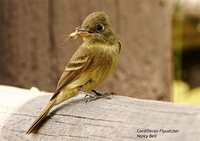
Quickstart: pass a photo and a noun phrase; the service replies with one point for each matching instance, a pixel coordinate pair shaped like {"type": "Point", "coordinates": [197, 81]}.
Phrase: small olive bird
{"type": "Point", "coordinates": [92, 63]}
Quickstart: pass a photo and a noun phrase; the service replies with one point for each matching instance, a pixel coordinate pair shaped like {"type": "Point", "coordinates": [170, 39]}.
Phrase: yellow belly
{"type": "Point", "coordinates": [86, 81]}
{"type": "Point", "coordinates": [100, 69]}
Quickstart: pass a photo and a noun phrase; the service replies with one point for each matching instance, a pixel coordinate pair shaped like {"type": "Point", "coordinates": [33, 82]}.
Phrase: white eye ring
{"type": "Point", "coordinates": [100, 27]}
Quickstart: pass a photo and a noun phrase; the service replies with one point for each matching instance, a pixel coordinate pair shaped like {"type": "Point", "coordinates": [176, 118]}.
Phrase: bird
{"type": "Point", "coordinates": [92, 63]}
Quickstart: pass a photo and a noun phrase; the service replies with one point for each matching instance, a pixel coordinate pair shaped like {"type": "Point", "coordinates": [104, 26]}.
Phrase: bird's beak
{"type": "Point", "coordinates": [80, 31]}
{"type": "Point", "coordinates": [83, 32]}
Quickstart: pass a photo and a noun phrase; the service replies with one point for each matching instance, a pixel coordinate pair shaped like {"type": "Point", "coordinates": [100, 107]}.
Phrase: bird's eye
{"type": "Point", "coordinates": [100, 27]}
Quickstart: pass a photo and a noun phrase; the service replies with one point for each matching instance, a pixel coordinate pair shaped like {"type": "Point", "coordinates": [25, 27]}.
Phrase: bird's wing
{"type": "Point", "coordinates": [79, 62]}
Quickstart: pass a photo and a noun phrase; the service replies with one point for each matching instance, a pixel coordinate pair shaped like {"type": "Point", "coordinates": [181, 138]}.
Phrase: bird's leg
{"type": "Point", "coordinates": [98, 95]}
{"type": "Point", "coordinates": [101, 94]}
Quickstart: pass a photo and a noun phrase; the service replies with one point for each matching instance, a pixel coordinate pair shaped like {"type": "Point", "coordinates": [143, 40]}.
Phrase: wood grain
{"type": "Point", "coordinates": [117, 119]}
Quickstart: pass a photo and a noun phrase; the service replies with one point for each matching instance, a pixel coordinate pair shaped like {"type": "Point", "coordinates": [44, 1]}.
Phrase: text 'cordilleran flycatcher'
{"type": "Point", "coordinates": [90, 65]}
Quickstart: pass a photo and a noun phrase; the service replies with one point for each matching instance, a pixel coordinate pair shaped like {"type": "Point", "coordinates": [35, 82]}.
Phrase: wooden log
{"type": "Point", "coordinates": [117, 119]}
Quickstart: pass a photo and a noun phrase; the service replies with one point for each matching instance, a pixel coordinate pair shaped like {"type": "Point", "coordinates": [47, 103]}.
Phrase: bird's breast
{"type": "Point", "coordinates": [104, 62]}
{"type": "Point", "coordinates": [102, 66]}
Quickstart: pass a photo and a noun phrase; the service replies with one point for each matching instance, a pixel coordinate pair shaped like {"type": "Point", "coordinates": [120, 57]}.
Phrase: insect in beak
{"type": "Point", "coordinates": [79, 32]}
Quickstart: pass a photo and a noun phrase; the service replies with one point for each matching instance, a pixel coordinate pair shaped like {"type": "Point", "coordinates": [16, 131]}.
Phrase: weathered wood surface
{"type": "Point", "coordinates": [31, 37]}
{"type": "Point", "coordinates": [117, 119]}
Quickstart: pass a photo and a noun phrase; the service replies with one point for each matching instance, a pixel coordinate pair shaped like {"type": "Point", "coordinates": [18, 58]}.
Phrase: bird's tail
{"type": "Point", "coordinates": [41, 116]}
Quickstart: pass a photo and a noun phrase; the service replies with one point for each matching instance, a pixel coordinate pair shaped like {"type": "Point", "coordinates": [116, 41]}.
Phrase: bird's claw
{"type": "Point", "coordinates": [99, 96]}
{"type": "Point", "coordinates": [87, 96]}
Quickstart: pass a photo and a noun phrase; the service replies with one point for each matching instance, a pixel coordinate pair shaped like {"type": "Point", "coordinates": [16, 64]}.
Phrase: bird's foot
{"type": "Point", "coordinates": [98, 95]}
{"type": "Point", "coordinates": [88, 95]}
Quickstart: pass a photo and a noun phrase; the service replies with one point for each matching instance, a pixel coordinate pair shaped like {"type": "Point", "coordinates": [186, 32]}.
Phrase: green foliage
{"type": "Point", "coordinates": [183, 94]}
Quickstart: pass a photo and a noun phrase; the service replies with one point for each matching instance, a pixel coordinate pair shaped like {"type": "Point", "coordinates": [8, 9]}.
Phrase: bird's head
{"type": "Point", "coordinates": [96, 28]}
